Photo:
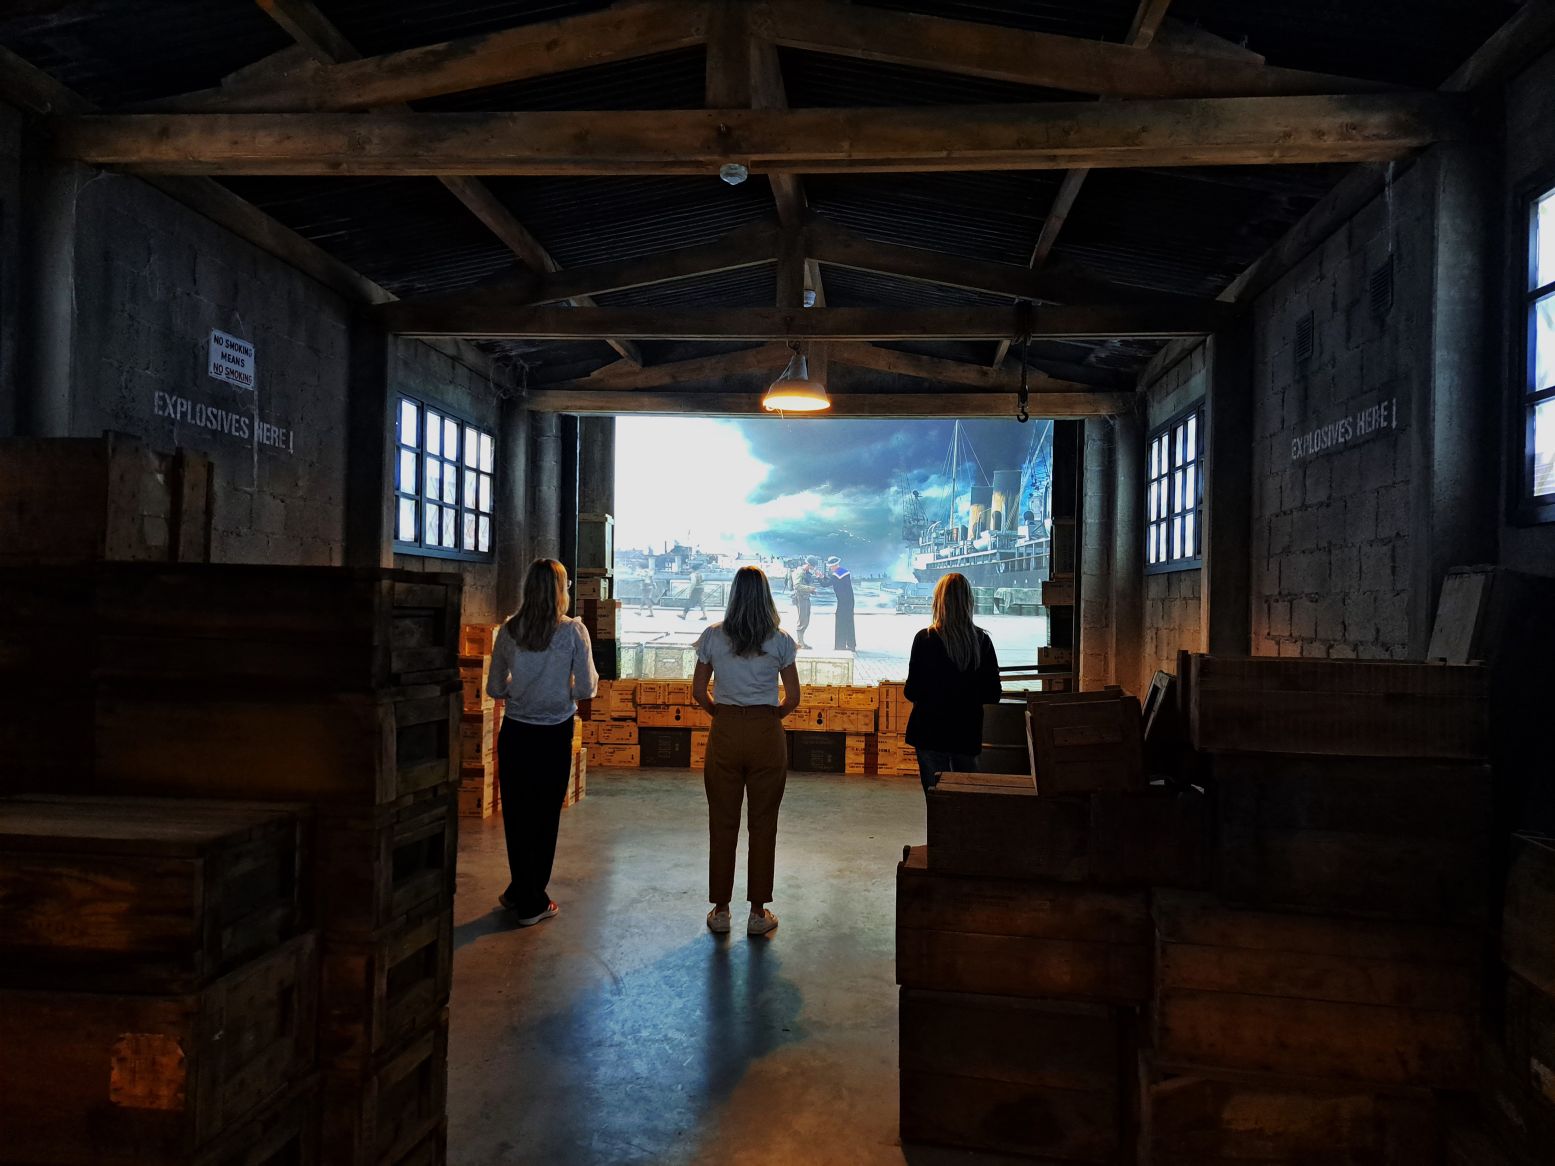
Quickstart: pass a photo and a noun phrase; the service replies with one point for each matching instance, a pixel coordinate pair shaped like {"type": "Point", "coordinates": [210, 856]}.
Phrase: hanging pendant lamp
{"type": "Point", "coordinates": [794, 391]}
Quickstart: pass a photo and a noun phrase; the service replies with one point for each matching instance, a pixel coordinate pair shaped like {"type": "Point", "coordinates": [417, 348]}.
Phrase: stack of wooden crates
{"type": "Point", "coordinates": [334, 688]}
{"type": "Point", "coordinates": [595, 602]}
{"type": "Point", "coordinates": [480, 794]}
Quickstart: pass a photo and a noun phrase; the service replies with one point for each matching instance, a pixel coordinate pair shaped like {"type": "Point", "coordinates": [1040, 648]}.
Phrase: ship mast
{"type": "Point", "coordinates": [955, 450]}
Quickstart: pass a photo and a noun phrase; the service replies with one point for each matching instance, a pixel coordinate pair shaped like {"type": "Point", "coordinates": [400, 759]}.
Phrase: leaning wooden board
{"type": "Point", "coordinates": [1017, 1076]}
{"type": "Point", "coordinates": [1007, 937]}
{"type": "Point", "coordinates": [1314, 997]}
{"type": "Point", "coordinates": [1354, 708]}
{"type": "Point", "coordinates": [144, 894]}
{"type": "Point", "coordinates": [153, 1079]}
{"type": "Point", "coordinates": [1354, 836]}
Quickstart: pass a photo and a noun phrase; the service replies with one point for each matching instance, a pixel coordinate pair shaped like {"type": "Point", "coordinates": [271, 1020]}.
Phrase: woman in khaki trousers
{"type": "Point", "coordinates": [747, 751]}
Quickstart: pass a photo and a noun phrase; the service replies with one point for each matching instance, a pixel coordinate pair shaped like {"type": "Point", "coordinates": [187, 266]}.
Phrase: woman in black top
{"type": "Point", "coordinates": [952, 674]}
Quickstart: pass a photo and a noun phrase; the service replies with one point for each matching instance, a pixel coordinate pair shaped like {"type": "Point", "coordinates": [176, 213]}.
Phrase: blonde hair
{"type": "Point", "coordinates": [543, 607]}
{"type": "Point", "coordinates": [953, 621]}
{"type": "Point", "coordinates": [751, 617]}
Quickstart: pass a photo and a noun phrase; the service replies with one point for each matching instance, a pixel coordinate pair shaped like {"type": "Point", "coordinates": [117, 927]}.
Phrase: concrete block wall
{"type": "Point", "coordinates": [1172, 619]}
{"type": "Point", "coordinates": [1095, 615]}
{"type": "Point", "coordinates": [1331, 526]}
{"type": "Point", "coordinates": [10, 265]}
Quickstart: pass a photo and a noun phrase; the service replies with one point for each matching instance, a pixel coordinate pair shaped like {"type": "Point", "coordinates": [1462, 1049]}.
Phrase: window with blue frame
{"type": "Point", "coordinates": [1174, 532]}
{"type": "Point", "coordinates": [444, 482]}
{"type": "Point", "coordinates": [1538, 381]}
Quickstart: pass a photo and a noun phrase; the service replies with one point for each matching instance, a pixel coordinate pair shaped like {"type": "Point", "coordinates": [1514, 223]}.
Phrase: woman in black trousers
{"type": "Point", "coordinates": [952, 674]}
{"type": "Point", "coordinates": [542, 665]}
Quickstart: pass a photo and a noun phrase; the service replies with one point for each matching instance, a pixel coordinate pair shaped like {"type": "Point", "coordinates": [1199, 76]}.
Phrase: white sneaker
{"type": "Point", "coordinates": [718, 922]}
{"type": "Point", "coordinates": [761, 924]}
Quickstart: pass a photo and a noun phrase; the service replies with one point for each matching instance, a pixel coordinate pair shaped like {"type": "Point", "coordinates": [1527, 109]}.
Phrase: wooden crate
{"type": "Point", "coordinates": [347, 747]}
{"type": "Point", "coordinates": [593, 587]}
{"type": "Point", "coordinates": [431, 1150]}
{"type": "Point", "coordinates": [377, 865]}
{"type": "Point", "coordinates": [995, 825]}
{"type": "Point", "coordinates": [1151, 838]}
{"type": "Point", "coordinates": [283, 1133]}
{"type": "Point", "coordinates": [698, 749]}
{"type": "Point", "coordinates": [1362, 836]}
{"type": "Point", "coordinates": [477, 736]}
{"type": "Point", "coordinates": [144, 894]}
{"type": "Point", "coordinates": [816, 696]}
{"type": "Point", "coordinates": [841, 720]}
{"type": "Point", "coordinates": [806, 719]}
{"type": "Point", "coordinates": [384, 1111]}
{"type": "Point", "coordinates": [616, 756]}
{"type": "Point", "coordinates": [1367, 1000]}
{"type": "Point", "coordinates": [1082, 746]}
{"type": "Point", "coordinates": [1058, 593]}
{"type": "Point", "coordinates": [651, 692]}
{"type": "Point", "coordinates": [476, 640]}
{"type": "Point", "coordinates": [675, 692]}
{"type": "Point", "coordinates": [1200, 1121]}
{"type": "Point", "coordinates": [110, 1079]}
{"type": "Point", "coordinates": [1521, 1072]}
{"type": "Point", "coordinates": [1528, 919]}
{"type": "Point", "coordinates": [472, 684]}
{"type": "Point", "coordinates": [376, 993]}
{"type": "Point", "coordinates": [1004, 937]}
{"type": "Point", "coordinates": [616, 733]}
{"type": "Point", "coordinates": [858, 697]}
{"type": "Point", "coordinates": [83, 500]}
{"type": "Point", "coordinates": [1354, 708]}
{"type": "Point", "coordinates": [477, 796]}
{"type": "Point", "coordinates": [1030, 1077]}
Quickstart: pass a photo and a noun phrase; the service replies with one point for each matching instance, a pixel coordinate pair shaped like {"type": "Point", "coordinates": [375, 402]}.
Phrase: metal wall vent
{"type": "Point", "coordinates": [1306, 342]}
{"type": "Point", "coordinates": [1382, 288]}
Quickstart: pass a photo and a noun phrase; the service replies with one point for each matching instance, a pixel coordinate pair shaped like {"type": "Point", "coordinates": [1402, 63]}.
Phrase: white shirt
{"type": "Point", "coordinates": [746, 680]}
{"type": "Point", "coordinates": [543, 688]}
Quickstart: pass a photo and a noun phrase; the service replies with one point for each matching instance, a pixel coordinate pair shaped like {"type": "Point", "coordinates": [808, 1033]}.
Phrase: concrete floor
{"type": "Point", "coordinates": [623, 1031]}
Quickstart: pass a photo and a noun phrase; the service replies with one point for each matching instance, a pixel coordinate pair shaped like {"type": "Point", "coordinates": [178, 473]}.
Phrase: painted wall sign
{"type": "Point", "coordinates": [1368, 421]}
{"type": "Point", "coordinates": [183, 411]}
{"type": "Point", "coordinates": [232, 360]}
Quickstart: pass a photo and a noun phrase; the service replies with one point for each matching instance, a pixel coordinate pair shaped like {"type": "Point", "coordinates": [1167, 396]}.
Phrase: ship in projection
{"type": "Point", "coordinates": [996, 529]}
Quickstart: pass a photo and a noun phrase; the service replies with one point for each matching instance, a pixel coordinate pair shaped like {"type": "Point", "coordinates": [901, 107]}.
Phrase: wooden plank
{"type": "Point", "coordinates": [475, 319]}
{"type": "Point", "coordinates": [1058, 135]}
{"type": "Point", "coordinates": [635, 28]}
{"type": "Point", "coordinates": [995, 825]}
{"type": "Point", "coordinates": [1347, 999]}
{"type": "Point", "coordinates": [161, 895]}
{"type": "Point", "coordinates": [752, 246]}
{"type": "Point", "coordinates": [728, 35]}
{"type": "Point", "coordinates": [378, 865]}
{"type": "Point", "coordinates": [1031, 58]}
{"type": "Point", "coordinates": [120, 1079]}
{"type": "Point", "coordinates": [1355, 708]}
{"type": "Point", "coordinates": [376, 993]}
{"type": "Point", "coordinates": [311, 29]}
{"type": "Point", "coordinates": [949, 372]}
{"type": "Point", "coordinates": [379, 1114]}
{"type": "Point", "coordinates": [716, 404]}
{"type": "Point", "coordinates": [1528, 922]}
{"type": "Point", "coordinates": [1393, 839]}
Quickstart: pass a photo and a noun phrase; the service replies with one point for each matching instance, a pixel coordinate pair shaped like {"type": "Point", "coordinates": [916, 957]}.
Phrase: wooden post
{"type": "Point", "coordinates": [512, 525]}
{"type": "Point", "coordinates": [1226, 595]}
{"type": "Point", "coordinates": [1128, 550]}
{"type": "Point", "coordinates": [369, 453]}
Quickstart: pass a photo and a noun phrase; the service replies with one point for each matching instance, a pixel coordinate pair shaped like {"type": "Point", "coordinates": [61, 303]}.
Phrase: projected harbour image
{"type": "Point", "coordinates": [853, 522]}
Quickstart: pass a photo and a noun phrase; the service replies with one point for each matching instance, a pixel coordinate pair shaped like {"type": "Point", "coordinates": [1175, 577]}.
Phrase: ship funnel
{"type": "Point", "coordinates": [1006, 499]}
{"type": "Point", "coordinates": [982, 499]}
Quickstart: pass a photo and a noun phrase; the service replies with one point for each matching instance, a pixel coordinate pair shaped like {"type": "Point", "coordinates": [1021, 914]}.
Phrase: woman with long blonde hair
{"type": "Point", "coordinates": [747, 750]}
{"type": "Point", "coordinates": [952, 674]}
{"type": "Point", "coordinates": [542, 664]}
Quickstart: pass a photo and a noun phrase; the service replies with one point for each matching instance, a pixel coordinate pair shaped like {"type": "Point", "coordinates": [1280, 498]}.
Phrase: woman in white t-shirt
{"type": "Point", "coordinates": [542, 664]}
{"type": "Point", "coordinates": [747, 751]}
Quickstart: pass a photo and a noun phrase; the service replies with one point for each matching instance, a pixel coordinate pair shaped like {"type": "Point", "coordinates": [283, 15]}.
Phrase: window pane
{"type": "Point", "coordinates": [472, 446]}
{"type": "Point", "coordinates": [408, 413]}
{"type": "Point", "coordinates": [450, 438]}
{"type": "Point", "coordinates": [1193, 437]}
{"type": "Point", "coordinates": [433, 478]}
{"type": "Point", "coordinates": [471, 489]}
{"type": "Point", "coordinates": [1543, 325]}
{"type": "Point", "coordinates": [1544, 240]}
{"type": "Point", "coordinates": [405, 530]}
{"type": "Point", "coordinates": [434, 433]}
{"type": "Point", "coordinates": [1155, 457]}
{"type": "Point", "coordinates": [1150, 545]}
{"type": "Point", "coordinates": [406, 475]}
{"type": "Point", "coordinates": [1544, 448]}
{"type": "Point", "coordinates": [1187, 537]}
{"type": "Point", "coordinates": [434, 524]}
{"type": "Point", "coordinates": [1177, 443]}
{"type": "Point", "coordinates": [469, 532]}
{"type": "Point", "coordinates": [1189, 495]}
{"type": "Point", "coordinates": [450, 519]}
{"type": "Point", "coordinates": [450, 483]}
{"type": "Point", "coordinates": [485, 534]}
{"type": "Point", "coordinates": [486, 493]}
{"type": "Point", "coordinates": [1160, 540]}
{"type": "Point", "coordinates": [488, 453]}
{"type": "Point", "coordinates": [1177, 492]}
{"type": "Point", "coordinates": [1177, 538]}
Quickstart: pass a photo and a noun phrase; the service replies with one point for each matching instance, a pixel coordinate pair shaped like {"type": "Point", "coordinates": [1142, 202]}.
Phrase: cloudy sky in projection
{"type": "Point", "coordinates": [772, 486]}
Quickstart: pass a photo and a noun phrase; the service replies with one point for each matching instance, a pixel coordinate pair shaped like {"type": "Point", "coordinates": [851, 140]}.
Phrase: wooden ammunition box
{"type": "Point", "coordinates": [856, 696]}
{"type": "Point", "coordinates": [1058, 593]}
{"type": "Point", "coordinates": [1197, 1121]}
{"type": "Point", "coordinates": [87, 1077]}
{"type": "Point", "coordinates": [841, 720]}
{"type": "Point", "coordinates": [346, 747]}
{"type": "Point", "coordinates": [1084, 746]}
{"type": "Point", "coordinates": [817, 752]}
{"type": "Point", "coordinates": [995, 825]}
{"type": "Point", "coordinates": [1367, 836]}
{"type": "Point", "coordinates": [477, 793]}
{"type": "Point", "coordinates": [675, 692]}
{"type": "Point", "coordinates": [283, 1133]}
{"type": "Point", "coordinates": [1393, 1004]}
{"type": "Point", "coordinates": [651, 692]}
{"type": "Point", "coordinates": [477, 736]}
{"type": "Point", "coordinates": [806, 719]}
{"type": "Point", "coordinates": [377, 865]}
{"type": "Point", "coordinates": [476, 640]}
{"type": "Point", "coordinates": [1154, 837]}
{"type": "Point", "coordinates": [144, 894]}
{"type": "Point", "coordinates": [817, 696]}
{"type": "Point", "coordinates": [386, 1109]}
{"type": "Point", "coordinates": [1528, 920]}
{"type": "Point", "coordinates": [377, 992]}
{"type": "Point", "coordinates": [1353, 708]}
{"type": "Point", "coordinates": [665, 748]}
{"type": "Point", "coordinates": [672, 717]}
{"type": "Point", "coordinates": [698, 748]}
{"type": "Point", "coordinates": [1029, 1077]}
{"type": "Point", "coordinates": [1004, 937]}
{"type": "Point", "coordinates": [616, 756]}
{"type": "Point", "coordinates": [593, 587]}
{"type": "Point", "coordinates": [616, 733]}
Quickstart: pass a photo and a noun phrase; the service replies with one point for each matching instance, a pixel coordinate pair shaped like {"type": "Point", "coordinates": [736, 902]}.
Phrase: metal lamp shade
{"type": "Point", "coordinates": [794, 391]}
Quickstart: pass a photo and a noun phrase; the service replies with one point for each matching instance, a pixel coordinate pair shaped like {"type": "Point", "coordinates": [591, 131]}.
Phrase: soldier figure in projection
{"type": "Point", "coordinates": [841, 582]}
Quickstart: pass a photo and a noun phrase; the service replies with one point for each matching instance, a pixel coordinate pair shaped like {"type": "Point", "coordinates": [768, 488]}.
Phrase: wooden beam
{"type": "Point", "coordinates": [883, 405]}
{"type": "Point", "coordinates": [637, 28]}
{"type": "Point", "coordinates": [947, 372]}
{"type": "Point", "coordinates": [311, 29]}
{"type": "Point", "coordinates": [499, 322]}
{"type": "Point", "coordinates": [1059, 135]}
{"type": "Point", "coordinates": [1523, 39]}
{"type": "Point", "coordinates": [1033, 58]}
{"type": "Point", "coordinates": [1147, 19]}
{"type": "Point", "coordinates": [728, 83]}
{"type": "Point", "coordinates": [768, 92]}
{"type": "Point", "coordinates": [623, 377]}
